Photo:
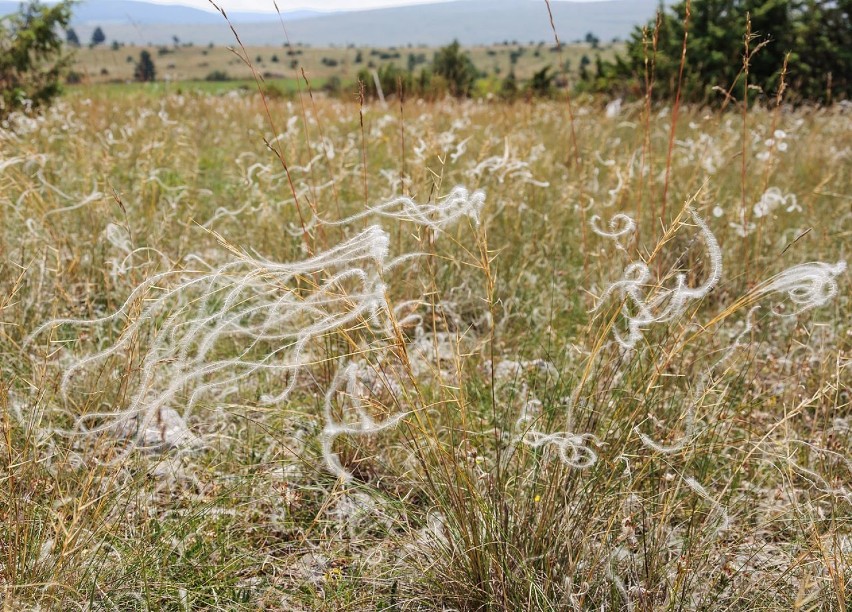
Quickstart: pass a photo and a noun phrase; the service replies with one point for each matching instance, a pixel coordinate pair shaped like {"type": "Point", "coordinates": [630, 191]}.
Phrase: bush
{"type": "Point", "coordinates": [333, 86]}
{"type": "Point", "coordinates": [541, 84]}
{"type": "Point", "coordinates": [32, 58]}
{"type": "Point", "coordinates": [217, 75]}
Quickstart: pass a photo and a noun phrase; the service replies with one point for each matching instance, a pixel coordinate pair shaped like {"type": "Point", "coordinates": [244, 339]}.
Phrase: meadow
{"type": "Point", "coordinates": [193, 65]}
{"type": "Point", "coordinates": [305, 353]}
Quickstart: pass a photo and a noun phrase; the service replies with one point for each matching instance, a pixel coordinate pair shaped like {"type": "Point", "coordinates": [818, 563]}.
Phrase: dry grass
{"type": "Point", "coordinates": [104, 64]}
{"type": "Point", "coordinates": [517, 477]}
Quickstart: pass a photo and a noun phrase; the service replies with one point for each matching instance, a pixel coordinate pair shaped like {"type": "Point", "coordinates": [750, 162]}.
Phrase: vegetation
{"type": "Point", "coordinates": [71, 37]}
{"type": "Point", "coordinates": [333, 354]}
{"type": "Point", "coordinates": [456, 68]}
{"type": "Point", "coordinates": [811, 38]}
{"type": "Point", "coordinates": [32, 58]}
{"type": "Point", "coordinates": [504, 339]}
{"type": "Point", "coordinates": [195, 63]}
{"type": "Point", "coordinates": [145, 70]}
{"type": "Point", "coordinates": [217, 76]}
{"type": "Point", "coordinates": [98, 37]}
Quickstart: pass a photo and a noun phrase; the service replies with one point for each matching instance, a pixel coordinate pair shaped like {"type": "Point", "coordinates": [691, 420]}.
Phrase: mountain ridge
{"type": "Point", "coordinates": [471, 22]}
{"type": "Point", "coordinates": [125, 12]}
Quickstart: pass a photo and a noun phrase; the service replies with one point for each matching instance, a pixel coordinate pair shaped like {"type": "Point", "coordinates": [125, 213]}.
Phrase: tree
{"type": "Point", "coordinates": [593, 40]}
{"type": "Point", "coordinates": [816, 33]}
{"type": "Point", "coordinates": [71, 38]}
{"type": "Point", "coordinates": [456, 67]}
{"type": "Point", "coordinates": [98, 37]}
{"type": "Point", "coordinates": [145, 70]}
{"type": "Point", "coordinates": [32, 58]}
{"type": "Point", "coordinates": [821, 58]}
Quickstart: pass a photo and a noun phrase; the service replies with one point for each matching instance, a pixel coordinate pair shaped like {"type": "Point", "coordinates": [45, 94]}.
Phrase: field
{"type": "Point", "coordinates": [105, 64]}
{"type": "Point", "coordinates": [301, 354]}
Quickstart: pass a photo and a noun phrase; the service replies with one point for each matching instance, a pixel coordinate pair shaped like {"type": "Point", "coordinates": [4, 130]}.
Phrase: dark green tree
{"type": "Point", "coordinates": [821, 58]}
{"type": "Point", "coordinates": [32, 58]}
{"type": "Point", "coordinates": [593, 40]}
{"type": "Point", "coordinates": [98, 37]}
{"type": "Point", "coordinates": [456, 67]}
{"type": "Point", "coordinates": [816, 33]}
{"type": "Point", "coordinates": [145, 70]}
{"type": "Point", "coordinates": [71, 38]}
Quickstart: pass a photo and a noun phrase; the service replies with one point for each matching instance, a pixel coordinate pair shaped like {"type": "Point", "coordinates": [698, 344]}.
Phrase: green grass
{"type": "Point", "coordinates": [160, 88]}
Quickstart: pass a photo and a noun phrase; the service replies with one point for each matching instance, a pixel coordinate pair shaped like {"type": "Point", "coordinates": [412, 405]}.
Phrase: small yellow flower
{"type": "Point", "coordinates": [537, 498]}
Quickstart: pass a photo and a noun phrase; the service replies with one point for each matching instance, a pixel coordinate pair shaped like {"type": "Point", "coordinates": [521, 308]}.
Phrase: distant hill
{"type": "Point", "coordinates": [475, 22]}
{"type": "Point", "coordinates": [127, 12]}
{"type": "Point", "coordinates": [469, 21]}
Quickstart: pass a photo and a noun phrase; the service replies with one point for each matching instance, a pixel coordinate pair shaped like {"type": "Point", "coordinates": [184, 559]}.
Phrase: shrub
{"type": "Point", "coordinates": [333, 86]}
{"type": "Point", "coordinates": [32, 59]}
{"type": "Point", "coordinates": [217, 75]}
{"type": "Point", "coordinates": [541, 83]}
{"type": "Point", "coordinates": [509, 87]}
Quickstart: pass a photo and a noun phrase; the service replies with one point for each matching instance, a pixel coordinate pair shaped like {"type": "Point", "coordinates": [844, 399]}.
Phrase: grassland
{"type": "Point", "coordinates": [106, 64]}
{"type": "Point", "coordinates": [534, 463]}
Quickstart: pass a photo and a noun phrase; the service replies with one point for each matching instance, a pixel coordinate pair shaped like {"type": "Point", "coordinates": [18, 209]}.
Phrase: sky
{"type": "Point", "coordinates": [290, 5]}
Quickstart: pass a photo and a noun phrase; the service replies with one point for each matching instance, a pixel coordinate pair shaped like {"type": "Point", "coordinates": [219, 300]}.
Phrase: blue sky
{"type": "Point", "coordinates": [289, 5]}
